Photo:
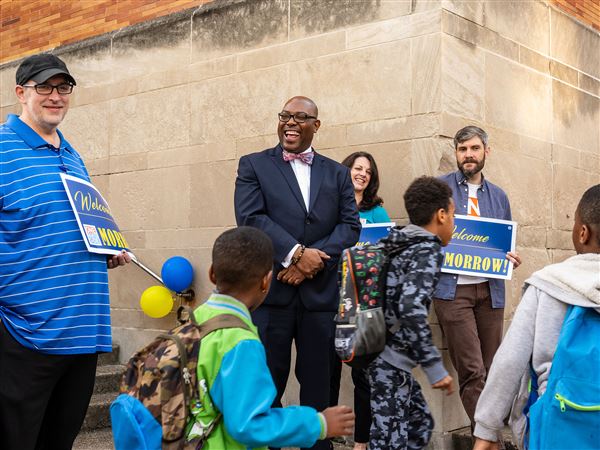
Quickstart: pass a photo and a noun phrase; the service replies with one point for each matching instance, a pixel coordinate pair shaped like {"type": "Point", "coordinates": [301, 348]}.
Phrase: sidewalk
{"type": "Point", "coordinates": [102, 440]}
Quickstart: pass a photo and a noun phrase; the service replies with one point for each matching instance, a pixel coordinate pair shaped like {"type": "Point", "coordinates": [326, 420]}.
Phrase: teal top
{"type": "Point", "coordinates": [374, 215]}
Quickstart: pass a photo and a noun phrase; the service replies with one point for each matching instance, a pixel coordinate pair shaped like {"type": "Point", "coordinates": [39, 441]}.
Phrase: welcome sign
{"type": "Point", "coordinates": [479, 246]}
{"type": "Point", "coordinates": [98, 228]}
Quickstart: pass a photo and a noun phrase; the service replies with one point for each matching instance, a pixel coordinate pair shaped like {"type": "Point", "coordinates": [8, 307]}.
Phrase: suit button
{"type": "Point", "coordinates": [307, 221]}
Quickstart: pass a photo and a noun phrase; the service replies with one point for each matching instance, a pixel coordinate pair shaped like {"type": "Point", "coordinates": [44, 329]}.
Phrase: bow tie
{"type": "Point", "coordinates": [306, 158]}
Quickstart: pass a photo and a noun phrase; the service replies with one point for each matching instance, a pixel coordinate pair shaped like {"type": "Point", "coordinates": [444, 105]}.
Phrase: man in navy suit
{"type": "Point", "coordinates": [305, 203]}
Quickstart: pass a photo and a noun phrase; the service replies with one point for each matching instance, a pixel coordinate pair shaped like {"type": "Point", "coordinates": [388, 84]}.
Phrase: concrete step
{"type": "Point", "coordinates": [106, 388]}
{"type": "Point", "coordinates": [108, 378]}
{"type": "Point", "coordinates": [111, 358]}
{"type": "Point", "coordinates": [98, 415]}
{"type": "Point", "coordinates": [94, 440]}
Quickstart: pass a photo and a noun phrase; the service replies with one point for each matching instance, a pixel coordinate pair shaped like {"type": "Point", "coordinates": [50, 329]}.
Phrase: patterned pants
{"type": "Point", "coordinates": [401, 417]}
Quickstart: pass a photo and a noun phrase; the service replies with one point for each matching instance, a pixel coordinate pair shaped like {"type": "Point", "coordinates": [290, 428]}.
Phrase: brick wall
{"type": "Point", "coordinates": [588, 11]}
{"type": "Point", "coordinates": [31, 26]}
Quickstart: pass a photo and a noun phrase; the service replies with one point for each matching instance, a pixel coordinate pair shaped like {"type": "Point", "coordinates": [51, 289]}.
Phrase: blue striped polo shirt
{"type": "Point", "coordinates": [53, 292]}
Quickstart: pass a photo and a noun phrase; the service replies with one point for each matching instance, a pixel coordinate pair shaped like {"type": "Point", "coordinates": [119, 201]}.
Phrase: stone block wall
{"type": "Point", "coordinates": [163, 110]}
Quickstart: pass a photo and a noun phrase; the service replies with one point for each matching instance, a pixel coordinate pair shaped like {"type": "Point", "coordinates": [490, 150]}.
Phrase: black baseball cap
{"type": "Point", "coordinates": [40, 68]}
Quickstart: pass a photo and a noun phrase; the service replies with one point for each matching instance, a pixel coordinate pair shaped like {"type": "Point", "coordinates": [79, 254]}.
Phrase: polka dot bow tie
{"type": "Point", "coordinates": [306, 158]}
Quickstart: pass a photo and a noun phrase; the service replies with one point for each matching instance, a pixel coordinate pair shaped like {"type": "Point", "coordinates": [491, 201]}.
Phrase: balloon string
{"type": "Point", "coordinates": [148, 271]}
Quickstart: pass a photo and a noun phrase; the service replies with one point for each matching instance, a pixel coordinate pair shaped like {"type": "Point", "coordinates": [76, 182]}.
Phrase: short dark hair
{"type": "Point", "coordinates": [424, 197]}
{"type": "Point", "coordinates": [589, 209]}
{"type": "Point", "coordinates": [466, 133]}
{"type": "Point", "coordinates": [241, 256]}
{"type": "Point", "coordinates": [370, 198]}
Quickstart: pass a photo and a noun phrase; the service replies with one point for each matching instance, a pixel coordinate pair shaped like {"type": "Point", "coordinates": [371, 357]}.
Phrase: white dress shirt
{"type": "Point", "coordinates": [302, 172]}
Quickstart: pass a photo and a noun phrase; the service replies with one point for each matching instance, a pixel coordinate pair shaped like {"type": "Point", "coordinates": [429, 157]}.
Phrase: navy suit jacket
{"type": "Point", "coordinates": [268, 197]}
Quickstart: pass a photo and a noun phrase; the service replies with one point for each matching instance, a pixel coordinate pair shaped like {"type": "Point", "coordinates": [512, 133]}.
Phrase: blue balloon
{"type": "Point", "coordinates": [177, 273]}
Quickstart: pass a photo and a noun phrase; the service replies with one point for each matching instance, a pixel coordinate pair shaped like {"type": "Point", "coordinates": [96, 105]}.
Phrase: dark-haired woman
{"type": "Point", "coordinates": [365, 178]}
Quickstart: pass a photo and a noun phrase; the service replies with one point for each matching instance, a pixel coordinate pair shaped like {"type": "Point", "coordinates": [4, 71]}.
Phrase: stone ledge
{"type": "Point", "coordinates": [396, 29]}
{"type": "Point", "coordinates": [477, 35]}
{"type": "Point", "coordinates": [534, 60]}
{"type": "Point", "coordinates": [589, 84]}
{"type": "Point", "coordinates": [393, 129]}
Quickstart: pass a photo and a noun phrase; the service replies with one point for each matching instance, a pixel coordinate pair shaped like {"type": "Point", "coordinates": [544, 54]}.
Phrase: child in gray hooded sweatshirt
{"type": "Point", "coordinates": [401, 417]}
{"type": "Point", "coordinates": [533, 334]}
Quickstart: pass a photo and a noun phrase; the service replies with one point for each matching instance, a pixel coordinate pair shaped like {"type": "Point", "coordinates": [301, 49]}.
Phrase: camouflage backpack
{"type": "Point", "coordinates": [158, 388]}
{"type": "Point", "coordinates": [361, 332]}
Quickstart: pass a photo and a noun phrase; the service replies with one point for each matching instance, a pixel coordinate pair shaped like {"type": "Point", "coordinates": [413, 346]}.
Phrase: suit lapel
{"type": "Point", "coordinates": [288, 175]}
{"type": "Point", "coordinates": [316, 176]}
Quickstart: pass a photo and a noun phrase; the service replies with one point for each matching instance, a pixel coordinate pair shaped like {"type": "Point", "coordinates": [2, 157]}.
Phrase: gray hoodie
{"type": "Point", "coordinates": [415, 260]}
{"type": "Point", "coordinates": [533, 336]}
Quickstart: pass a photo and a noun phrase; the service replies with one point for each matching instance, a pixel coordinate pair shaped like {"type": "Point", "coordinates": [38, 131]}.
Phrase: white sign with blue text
{"type": "Point", "coordinates": [98, 228]}
{"type": "Point", "coordinates": [479, 246]}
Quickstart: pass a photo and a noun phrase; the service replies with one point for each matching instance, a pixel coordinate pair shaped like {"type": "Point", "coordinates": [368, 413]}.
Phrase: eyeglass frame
{"type": "Point", "coordinates": [294, 116]}
{"type": "Point", "coordinates": [52, 86]}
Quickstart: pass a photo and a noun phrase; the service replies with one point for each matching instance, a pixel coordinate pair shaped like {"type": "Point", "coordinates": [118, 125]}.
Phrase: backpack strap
{"type": "Point", "coordinates": [531, 399]}
{"type": "Point", "coordinates": [225, 320]}
{"type": "Point", "coordinates": [220, 322]}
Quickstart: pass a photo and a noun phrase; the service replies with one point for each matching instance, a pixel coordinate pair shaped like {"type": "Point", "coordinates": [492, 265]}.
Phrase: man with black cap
{"type": "Point", "coordinates": [54, 303]}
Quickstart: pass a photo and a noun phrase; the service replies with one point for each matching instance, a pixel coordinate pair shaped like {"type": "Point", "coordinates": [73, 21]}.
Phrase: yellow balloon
{"type": "Point", "coordinates": [156, 301]}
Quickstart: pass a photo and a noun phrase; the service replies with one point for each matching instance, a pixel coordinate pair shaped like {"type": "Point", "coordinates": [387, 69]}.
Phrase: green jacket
{"type": "Point", "coordinates": [234, 378]}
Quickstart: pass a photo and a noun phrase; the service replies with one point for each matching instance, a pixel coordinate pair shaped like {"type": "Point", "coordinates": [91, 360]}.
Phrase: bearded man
{"type": "Point", "coordinates": [470, 309]}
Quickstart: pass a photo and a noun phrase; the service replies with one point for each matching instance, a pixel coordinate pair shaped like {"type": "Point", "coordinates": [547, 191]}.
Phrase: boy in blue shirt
{"type": "Point", "coordinates": [232, 362]}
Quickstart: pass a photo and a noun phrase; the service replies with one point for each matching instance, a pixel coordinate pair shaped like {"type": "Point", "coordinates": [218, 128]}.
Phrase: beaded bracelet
{"type": "Point", "coordinates": [295, 259]}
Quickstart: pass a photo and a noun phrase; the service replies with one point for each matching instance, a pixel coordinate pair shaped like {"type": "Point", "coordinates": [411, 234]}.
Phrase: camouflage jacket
{"type": "Point", "coordinates": [416, 258]}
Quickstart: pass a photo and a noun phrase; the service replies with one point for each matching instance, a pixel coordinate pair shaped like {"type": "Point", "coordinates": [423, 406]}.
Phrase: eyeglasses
{"type": "Point", "coordinates": [46, 89]}
{"type": "Point", "coordinates": [298, 117]}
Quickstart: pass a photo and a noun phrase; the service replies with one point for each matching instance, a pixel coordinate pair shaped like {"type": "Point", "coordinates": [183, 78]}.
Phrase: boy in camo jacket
{"type": "Point", "coordinates": [401, 417]}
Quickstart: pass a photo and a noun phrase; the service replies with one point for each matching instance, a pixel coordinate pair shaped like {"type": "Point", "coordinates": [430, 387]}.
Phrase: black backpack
{"type": "Point", "coordinates": [361, 332]}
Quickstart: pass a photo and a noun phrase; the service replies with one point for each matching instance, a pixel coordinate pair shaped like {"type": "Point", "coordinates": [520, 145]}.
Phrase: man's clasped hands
{"type": "Point", "coordinates": [306, 264]}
